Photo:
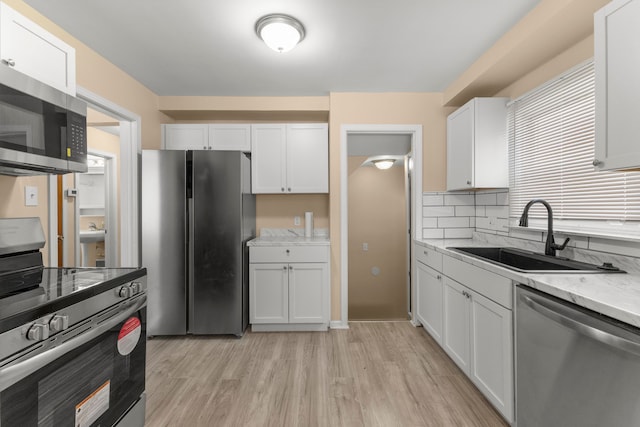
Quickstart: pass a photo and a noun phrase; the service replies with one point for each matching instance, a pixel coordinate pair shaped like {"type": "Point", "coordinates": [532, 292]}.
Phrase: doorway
{"type": "Point", "coordinates": [378, 197]}
{"type": "Point", "coordinates": [96, 212]}
{"type": "Point", "coordinates": [414, 133]}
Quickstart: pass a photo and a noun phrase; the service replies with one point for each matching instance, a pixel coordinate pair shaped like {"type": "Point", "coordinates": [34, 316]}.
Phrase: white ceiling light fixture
{"type": "Point", "coordinates": [280, 32]}
{"type": "Point", "coordinates": [383, 163]}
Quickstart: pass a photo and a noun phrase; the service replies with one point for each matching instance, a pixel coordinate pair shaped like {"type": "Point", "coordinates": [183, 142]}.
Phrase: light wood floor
{"type": "Point", "coordinates": [373, 374]}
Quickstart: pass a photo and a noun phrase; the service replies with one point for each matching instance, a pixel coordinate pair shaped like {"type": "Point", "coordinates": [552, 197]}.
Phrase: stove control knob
{"type": "Point", "coordinates": [59, 322]}
{"type": "Point", "coordinates": [136, 287]}
{"type": "Point", "coordinates": [124, 291]}
{"type": "Point", "coordinates": [38, 332]}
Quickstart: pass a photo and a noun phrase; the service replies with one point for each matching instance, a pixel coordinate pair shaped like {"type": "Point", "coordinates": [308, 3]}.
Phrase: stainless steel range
{"type": "Point", "coordinates": [72, 340]}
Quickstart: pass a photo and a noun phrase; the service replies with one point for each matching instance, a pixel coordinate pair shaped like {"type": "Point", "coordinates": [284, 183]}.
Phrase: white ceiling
{"type": "Point", "coordinates": [209, 47]}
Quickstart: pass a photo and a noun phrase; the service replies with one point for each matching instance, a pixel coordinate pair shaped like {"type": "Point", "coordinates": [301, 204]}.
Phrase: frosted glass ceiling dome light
{"type": "Point", "coordinates": [383, 163]}
{"type": "Point", "coordinates": [280, 32]}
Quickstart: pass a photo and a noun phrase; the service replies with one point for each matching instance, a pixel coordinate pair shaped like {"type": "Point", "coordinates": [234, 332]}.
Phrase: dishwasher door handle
{"type": "Point", "coordinates": [565, 319]}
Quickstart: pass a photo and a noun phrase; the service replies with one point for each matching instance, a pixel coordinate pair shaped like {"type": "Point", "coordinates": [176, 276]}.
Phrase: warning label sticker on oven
{"type": "Point", "coordinates": [96, 404]}
{"type": "Point", "coordinates": [129, 336]}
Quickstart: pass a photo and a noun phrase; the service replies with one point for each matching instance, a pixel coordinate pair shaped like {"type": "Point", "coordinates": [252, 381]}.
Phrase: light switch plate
{"type": "Point", "coordinates": [30, 196]}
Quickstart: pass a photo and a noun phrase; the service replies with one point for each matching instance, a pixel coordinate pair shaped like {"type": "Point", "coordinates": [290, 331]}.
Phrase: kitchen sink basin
{"type": "Point", "coordinates": [532, 262]}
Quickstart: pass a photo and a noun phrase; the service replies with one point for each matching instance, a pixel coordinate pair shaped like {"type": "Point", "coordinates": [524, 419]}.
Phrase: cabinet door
{"type": "Point", "coordinates": [268, 158]}
{"type": "Point", "coordinates": [308, 287]}
{"type": "Point", "coordinates": [185, 137]}
{"type": "Point", "coordinates": [230, 137]}
{"type": "Point", "coordinates": [307, 158]}
{"type": "Point", "coordinates": [30, 49]}
{"type": "Point", "coordinates": [617, 69]}
{"type": "Point", "coordinates": [268, 293]}
{"type": "Point", "coordinates": [456, 335]}
{"type": "Point", "coordinates": [492, 353]}
{"type": "Point", "coordinates": [429, 298]}
{"type": "Point", "coordinates": [460, 148]}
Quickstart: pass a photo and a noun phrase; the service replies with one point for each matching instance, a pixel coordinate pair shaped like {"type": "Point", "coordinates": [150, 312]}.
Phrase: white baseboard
{"type": "Point", "coordinates": [339, 324]}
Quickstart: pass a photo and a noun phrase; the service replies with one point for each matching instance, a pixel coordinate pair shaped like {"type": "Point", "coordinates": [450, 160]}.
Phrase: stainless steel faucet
{"type": "Point", "coordinates": [550, 245]}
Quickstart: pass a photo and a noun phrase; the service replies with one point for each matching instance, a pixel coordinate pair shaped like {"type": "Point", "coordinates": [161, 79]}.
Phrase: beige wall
{"type": "Point", "coordinates": [278, 210]}
{"type": "Point", "coordinates": [378, 217]}
{"type": "Point", "coordinates": [12, 201]}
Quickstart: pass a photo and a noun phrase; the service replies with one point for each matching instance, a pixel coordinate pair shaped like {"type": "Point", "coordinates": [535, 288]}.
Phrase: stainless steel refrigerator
{"type": "Point", "coordinates": [197, 215]}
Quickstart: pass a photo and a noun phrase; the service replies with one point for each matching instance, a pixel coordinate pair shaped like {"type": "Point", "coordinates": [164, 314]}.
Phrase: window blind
{"type": "Point", "coordinates": [551, 149]}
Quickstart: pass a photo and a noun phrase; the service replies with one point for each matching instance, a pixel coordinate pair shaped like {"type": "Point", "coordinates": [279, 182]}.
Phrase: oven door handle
{"type": "Point", "coordinates": [11, 374]}
{"type": "Point", "coordinates": [558, 315]}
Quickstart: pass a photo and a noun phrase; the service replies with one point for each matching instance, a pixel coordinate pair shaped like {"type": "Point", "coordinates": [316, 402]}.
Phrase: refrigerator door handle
{"type": "Point", "coordinates": [190, 264]}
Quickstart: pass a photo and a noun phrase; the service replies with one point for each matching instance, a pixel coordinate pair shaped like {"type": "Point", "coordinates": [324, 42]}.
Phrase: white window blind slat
{"type": "Point", "coordinates": [551, 146]}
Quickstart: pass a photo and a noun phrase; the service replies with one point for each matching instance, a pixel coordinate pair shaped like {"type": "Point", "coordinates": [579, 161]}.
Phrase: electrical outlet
{"type": "Point", "coordinates": [30, 196]}
{"type": "Point", "coordinates": [365, 247]}
{"type": "Point", "coordinates": [296, 220]}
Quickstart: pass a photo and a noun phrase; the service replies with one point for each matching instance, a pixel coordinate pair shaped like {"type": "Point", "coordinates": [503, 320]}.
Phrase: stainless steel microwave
{"type": "Point", "coordinates": [42, 130]}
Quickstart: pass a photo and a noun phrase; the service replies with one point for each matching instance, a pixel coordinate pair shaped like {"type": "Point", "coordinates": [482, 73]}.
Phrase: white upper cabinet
{"type": "Point", "coordinates": [185, 137]}
{"type": "Point", "coordinates": [617, 69]}
{"type": "Point", "coordinates": [199, 136]}
{"type": "Point", "coordinates": [33, 51]}
{"type": "Point", "coordinates": [477, 154]}
{"type": "Point", "coordinates": [291, 158]}
{"type": "Point", "coordinates": [231, 137]}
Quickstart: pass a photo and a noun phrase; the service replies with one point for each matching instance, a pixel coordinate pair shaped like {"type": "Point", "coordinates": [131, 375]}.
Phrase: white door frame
{"type": "Point", "coordinates": [416, 188]}
{"type": "Point", "coordinates": [130, 154]}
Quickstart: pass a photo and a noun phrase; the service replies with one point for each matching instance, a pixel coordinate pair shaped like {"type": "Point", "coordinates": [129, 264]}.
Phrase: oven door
{"type": "Point", "coordinates": [92, 379]}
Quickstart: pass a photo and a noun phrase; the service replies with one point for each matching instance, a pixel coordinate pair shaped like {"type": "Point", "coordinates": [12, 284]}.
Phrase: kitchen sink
{"type": "Point", "coordinates": [532, 262]}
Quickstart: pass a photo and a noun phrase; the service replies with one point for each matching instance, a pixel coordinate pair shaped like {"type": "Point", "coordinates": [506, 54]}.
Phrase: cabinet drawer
{"type": "Point", "coordinates": [288, 254]}
{"type": "Point", "coordinates": [491, 285]}
{"type": "Point", "coordinates": [428, 256]}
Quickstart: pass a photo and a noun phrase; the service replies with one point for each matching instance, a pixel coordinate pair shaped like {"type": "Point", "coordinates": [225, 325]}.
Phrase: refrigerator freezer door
{"type": "Point", "coordinates": [164, 240]}
{"type": "Point", "coordinates": [216, 295]}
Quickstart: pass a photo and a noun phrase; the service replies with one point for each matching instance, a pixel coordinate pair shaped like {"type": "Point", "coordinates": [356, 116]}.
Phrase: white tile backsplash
{"type": "Point", "coordinates": [459, 199]}
{"type": "Point", "coordinates": [484, 215]}
{"type": "Point", "coordinates": [437, 211]}
{"type": "Point", "coordinates": [453, 222]}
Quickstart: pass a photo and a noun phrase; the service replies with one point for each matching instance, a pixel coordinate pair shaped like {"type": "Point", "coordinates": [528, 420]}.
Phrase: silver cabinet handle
{"type": "Point", "coordinates": [426, 253]}
{"type": "Point", "coordinates": [468, 182]}
{"type": "Point", "coordinates": [439, 277]}
{"type": "Point", "coordinates": [284, 268]}
{"type": "Point", "coordinates": [597, 162]}
{"type": "Point", "coordinates": [282, 189]}
{"type": "Point", "coordinates": [289, 189]}
{"type": "Point", "coordinates": [10, 62]}
{"type": "Point", "coordinates": [11, 374]}
{"type": "Point", "coordinates": [565, 319]}
{"type": "Point", "coordinates": [291, 267]}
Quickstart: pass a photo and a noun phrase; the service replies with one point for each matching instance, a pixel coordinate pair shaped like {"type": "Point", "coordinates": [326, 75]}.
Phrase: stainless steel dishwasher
{"type": "Point", "coordinates": [574, 367]}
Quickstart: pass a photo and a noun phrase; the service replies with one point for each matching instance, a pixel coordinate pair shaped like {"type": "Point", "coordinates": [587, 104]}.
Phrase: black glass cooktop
{"type": "Point", "coordinates": [36, 292]}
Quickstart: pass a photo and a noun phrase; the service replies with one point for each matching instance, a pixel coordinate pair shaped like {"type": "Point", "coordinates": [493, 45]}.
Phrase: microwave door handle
{"type": "Point", "coordinates": [11, 374]}
{"type": "Point", "coordinates": [558, 315]}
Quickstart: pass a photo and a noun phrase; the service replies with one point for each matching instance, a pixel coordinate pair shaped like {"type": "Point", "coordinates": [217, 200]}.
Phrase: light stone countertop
{"type": "Point", "coordinates": [289, 241]}
{"type": "Point", "coordinates": [614, 295]}
{"type": "Point", "coordinates": [290, 237]}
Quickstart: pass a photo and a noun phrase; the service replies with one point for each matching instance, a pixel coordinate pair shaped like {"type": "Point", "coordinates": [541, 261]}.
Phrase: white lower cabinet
{"type": "Point", "coordinates": [492, 352]}
{"type": "Point", "coordinates": [429, 296]}
{"type": "Point", "coordinates": [478, 336]}
{"type": "Point", "coordinates": [269, 293]}
{"type": "Point", "coordinates": [456, 323]}
{"type": "Point", "coordinates": [467, 310]}
{"type": "Point", "coordinates": [290, 295]}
